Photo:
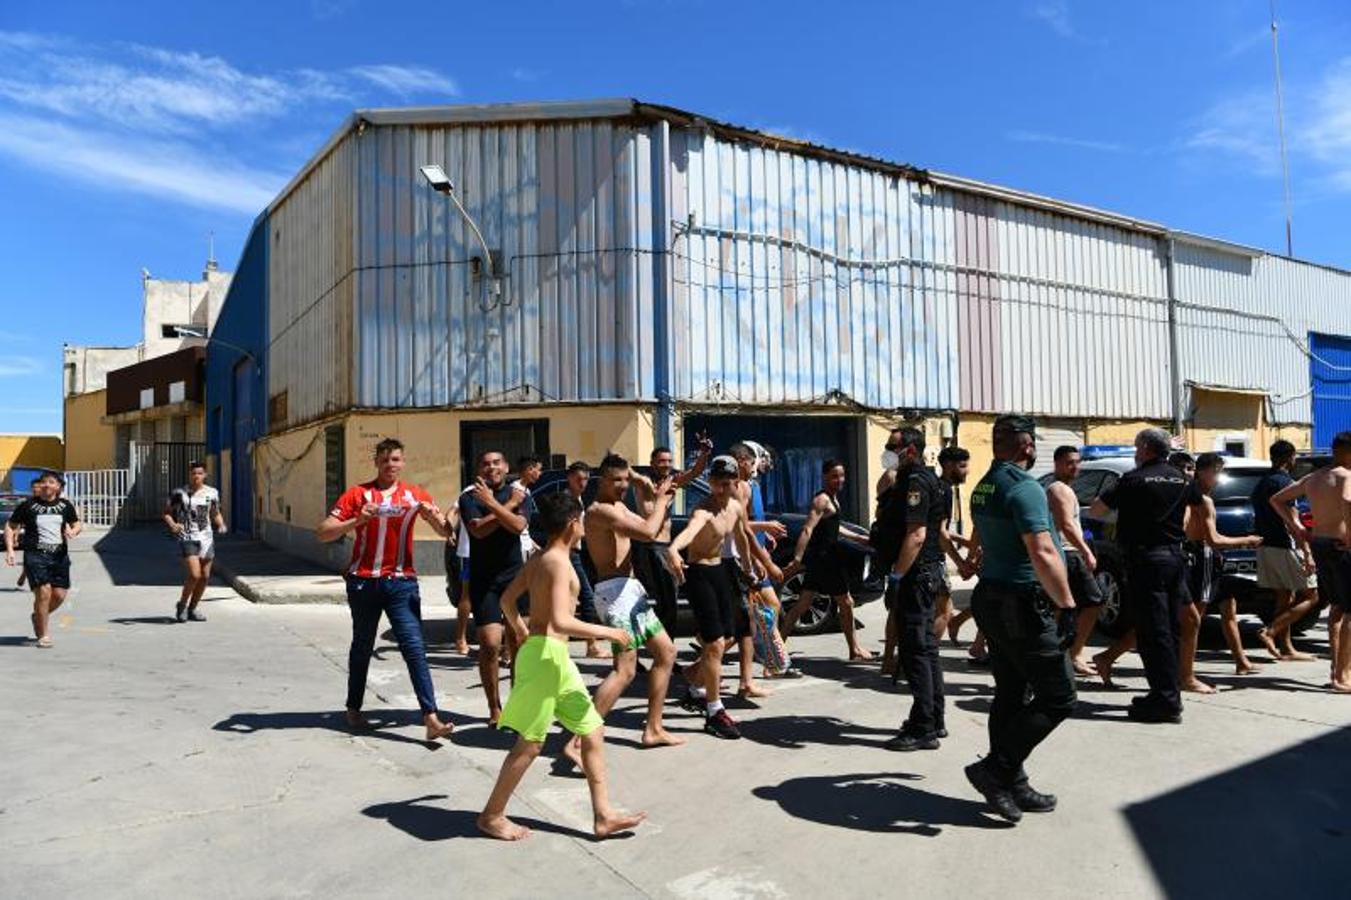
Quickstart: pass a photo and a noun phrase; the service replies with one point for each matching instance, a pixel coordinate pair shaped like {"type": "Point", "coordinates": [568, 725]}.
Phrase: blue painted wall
{"type": "Point", "coordinates": [1330, 371]}
{"type": "Point", "coordinates": [236, 400]}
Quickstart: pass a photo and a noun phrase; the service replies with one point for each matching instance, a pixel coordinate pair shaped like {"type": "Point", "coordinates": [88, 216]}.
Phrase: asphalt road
{"type": "Point", "coordinates": [150, 759]}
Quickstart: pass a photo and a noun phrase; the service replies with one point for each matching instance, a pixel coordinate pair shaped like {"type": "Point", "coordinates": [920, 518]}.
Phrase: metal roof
{"type": "Point", "coordinates": [634, 109]}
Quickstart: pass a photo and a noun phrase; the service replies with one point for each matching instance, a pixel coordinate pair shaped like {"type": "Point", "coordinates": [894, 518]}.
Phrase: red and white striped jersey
{"type": "Point", "coordinates": [383, 546]}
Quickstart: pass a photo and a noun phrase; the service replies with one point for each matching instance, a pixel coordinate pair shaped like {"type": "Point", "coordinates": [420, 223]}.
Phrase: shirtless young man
{"type": "Point", "coordinates": [649, 557]}
{"type": "Point", "coordinates": [711, 593]}
{"type": "Point", "coordinates": [1329, 493]}
{"type": "Point", "coordinates": [612, 533]}
{"type": "Point", "coordinates": [1080, 563]}
{"type": "Point", "coordinates": [1203, 538]}
{"type": "Point", "coordinates": [547, 685]}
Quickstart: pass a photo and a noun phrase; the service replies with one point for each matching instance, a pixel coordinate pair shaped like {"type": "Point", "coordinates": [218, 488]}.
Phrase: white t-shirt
{"type": "Point", "coordinates": [195, 512]}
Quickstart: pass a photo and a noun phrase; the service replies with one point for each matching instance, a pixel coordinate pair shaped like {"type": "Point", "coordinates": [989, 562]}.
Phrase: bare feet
{"type": "Point", "coordinates": [860, 654]}
{"type": "Point", "coordinates": [660, 738]}
{"type": "Point", "coordinates": [1297, 656]}
{"type": "Point", "coordinates": [1083, 666]}
{"type": "Point", "coordinates": [617, 823]}
{"type": "Point", "coordinates": [502, 828]}
{"type": "Point", "coordinates": [1265, 637]}
{"type": "Point", "coordinates": [357, 721]}
{"type": "Point", "coordinates": [1340, 687]}
{"type": "Point", "coordinates": [1102, 664]}
{"type": "Point", "coordinates": [493, 716]}
{"type": "Point", "coordinates": [752, 690]}
{"type": "Point", "coordinates": [572, 751]}
{"type": "Point", "coordinates": [462, 648]}
{"type": "Point", "coordinates": [1196, 686]}
{"type": "Point", "coordinates": [1245, 668]}
{"type": "Point", "coordinates": [953, 629]}
{"type": "Point", "coordinates": [436, 729]}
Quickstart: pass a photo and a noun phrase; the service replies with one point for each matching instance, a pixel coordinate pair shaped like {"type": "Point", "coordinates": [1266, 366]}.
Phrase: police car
{"type": "Point", "coordinates": [1103, 466]}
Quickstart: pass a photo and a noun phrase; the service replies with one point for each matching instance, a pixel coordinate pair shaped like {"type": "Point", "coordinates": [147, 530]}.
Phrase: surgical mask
{"type": "Point", "coordinates": [890, 460]}
{"type": "Point", "coordinates": [1031, 462]}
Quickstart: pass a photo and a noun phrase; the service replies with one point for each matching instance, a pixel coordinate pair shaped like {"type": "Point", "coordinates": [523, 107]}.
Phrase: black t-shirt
{"type": "Point", "coordinates": [44, 523]}
{"type": "Point", "coordinates": [919, 500]}
{"type": "Point", "coordinates": [501, 550]}
{"type": "Point", "coordinates": [1265, 521]}
{"type": "Point", "coordinates": [1150, 502]}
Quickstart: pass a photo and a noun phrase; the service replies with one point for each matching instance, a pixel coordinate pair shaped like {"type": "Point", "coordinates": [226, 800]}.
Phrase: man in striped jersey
{"type": "Point", "coordinates": [381, 579]}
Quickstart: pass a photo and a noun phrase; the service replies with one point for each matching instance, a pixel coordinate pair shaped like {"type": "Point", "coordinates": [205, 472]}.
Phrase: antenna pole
{"type": "Point", "coordinates": [1280, 127]}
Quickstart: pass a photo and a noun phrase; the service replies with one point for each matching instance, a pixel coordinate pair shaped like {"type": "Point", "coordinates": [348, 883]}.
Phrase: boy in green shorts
{"type": "Point", "coordinates": [547, 685]}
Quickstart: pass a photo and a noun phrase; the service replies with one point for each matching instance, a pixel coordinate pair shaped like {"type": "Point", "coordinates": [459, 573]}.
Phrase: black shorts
{"type": "Point", "coordinates": [47, 567]}
{"type": "Point", "coordinates": [714, 601]}
{"type": "Point", "coordinates": [1334, 571]}
{"type": "Point", "coordinates": [454, 579]}
{"type": "Point", "coordinates": [1200, 572]}
{"type": "Point", "coordinates": [1084, 587]}
{"type": "Point", "coordinates": [741, 609]}
{"type": "Point", "coordinates": [485, 596]}
{"type": "Point", "coordinates": [825, 575]}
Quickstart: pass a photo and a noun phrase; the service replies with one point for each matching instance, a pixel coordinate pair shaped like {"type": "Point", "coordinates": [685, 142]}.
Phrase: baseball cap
{"type": "Point", "coordinates": [1017, 423]}
{"type": "Point", "coordinates": [723, 467]}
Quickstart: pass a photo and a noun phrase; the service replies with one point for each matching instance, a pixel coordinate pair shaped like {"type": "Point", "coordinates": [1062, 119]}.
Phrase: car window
{"type": "Point", "coordinates": [1088, 486]}
{"type": "Point", "coordinates": [1236, 485]}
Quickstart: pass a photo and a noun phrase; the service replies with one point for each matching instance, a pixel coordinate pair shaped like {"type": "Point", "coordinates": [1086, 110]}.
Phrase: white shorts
{"type": "Point", "coordinates": [1280, 569]}
{"type": "Point", "coordinates": [623, 603]}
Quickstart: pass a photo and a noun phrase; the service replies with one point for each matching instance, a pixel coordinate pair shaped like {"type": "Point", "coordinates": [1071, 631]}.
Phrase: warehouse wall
{"type": "Point", "coordinates": [89, 444]}
{"type": "Point", "coordinates": [37, 451]}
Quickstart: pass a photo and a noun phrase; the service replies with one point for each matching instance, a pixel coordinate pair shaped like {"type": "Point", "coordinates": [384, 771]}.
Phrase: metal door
{"type": "Point", "coordinates": [241, 451]}
{"type": "Point", "coordinates": [1330, 372]}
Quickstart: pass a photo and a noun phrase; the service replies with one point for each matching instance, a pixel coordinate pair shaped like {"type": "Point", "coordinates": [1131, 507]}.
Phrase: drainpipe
{"type": "Point", "coordinates": [1174, 343]}
{"type": "Point", "coordinates": [661, 282]}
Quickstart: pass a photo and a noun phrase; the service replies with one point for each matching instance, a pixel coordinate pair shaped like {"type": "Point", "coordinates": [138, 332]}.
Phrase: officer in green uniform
{"type": "Point", "coordinates": [1022, 583]}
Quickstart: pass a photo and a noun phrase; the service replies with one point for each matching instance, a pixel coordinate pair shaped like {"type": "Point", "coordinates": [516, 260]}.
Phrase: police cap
{"type": "Point", "coordinates": [1016, 423]}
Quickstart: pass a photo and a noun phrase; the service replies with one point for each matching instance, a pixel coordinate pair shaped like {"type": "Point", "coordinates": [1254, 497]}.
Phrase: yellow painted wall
{"type": "Point", "coordinates": [432, 452]}
{"type": "Point", "coordinates": [38, 451]}
{"type": "Point", "coordinates": [1217, 414]}
{"type": "Point", "coordinates": [89, 443]}
{"type": "Point", "coordinates": [221, 479]}
{"type": "Point", "coordinates": [1119, 432]}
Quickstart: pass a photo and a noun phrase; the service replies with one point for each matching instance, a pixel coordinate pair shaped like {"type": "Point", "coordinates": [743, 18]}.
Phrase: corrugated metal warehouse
{"type": "Point", "coordinates": [657, 273]}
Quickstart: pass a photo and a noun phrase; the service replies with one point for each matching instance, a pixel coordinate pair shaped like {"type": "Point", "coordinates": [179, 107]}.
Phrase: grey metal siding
{"type": "Point", "coordinates": [1245, 318]}
{"type": "Point", "coordinates": [310, 290]}
{"type": "Point", "coordinates": [798, 280]}
{"type": "Point", "coordinates": [564, 206]}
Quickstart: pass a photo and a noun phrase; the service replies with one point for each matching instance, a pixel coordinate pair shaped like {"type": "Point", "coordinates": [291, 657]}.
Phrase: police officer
{"type": "Point", "coordinates": [913, 507]}
{"type": "Point", "coordinates": [1150, 502]}
{"type": "Point", "coordinates": [1022, 583]}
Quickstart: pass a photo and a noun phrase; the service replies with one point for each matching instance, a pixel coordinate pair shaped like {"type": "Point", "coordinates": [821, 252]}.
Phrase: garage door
{"type": "Point", "coordinates": [1051, 434]}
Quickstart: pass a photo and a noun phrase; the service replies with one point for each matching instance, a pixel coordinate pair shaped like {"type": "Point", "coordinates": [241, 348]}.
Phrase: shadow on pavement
{"type": "Point", "coordinates": [432, 823]}
{"type": "Point", "coordinates": [878, 803]}
{"type": "Point", "coordinates": [251, 723]}
{"type": "Point", "coordinates": [1084, 709]}
{"type": "Point", "coordinates": [15, 640]}
{"type": "Point", "coordinates": [1280, 825]}
{"type": "Point", "coordinates": [144, 620]}
{"type": "Point", "coordinates": [145, 556]}
{"type": "Point", "coordinates": [796, 732]}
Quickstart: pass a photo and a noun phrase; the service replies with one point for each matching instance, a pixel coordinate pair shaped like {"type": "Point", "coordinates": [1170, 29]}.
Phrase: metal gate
{"type": "Point", "coordinates": [100, 496]}
{"type": "Point", "coordinates": [156, 469]}
{"type": "Point", "coordinates": [1330, 374]}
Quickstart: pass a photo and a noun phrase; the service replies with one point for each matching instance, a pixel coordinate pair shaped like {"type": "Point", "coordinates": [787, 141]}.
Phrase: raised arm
{"type": "Point", "coordinates": [627, 523]}
{"type": "Point", "coordinates": [694, 471]}
{"type": "Point", "coordinates": [498, 515]}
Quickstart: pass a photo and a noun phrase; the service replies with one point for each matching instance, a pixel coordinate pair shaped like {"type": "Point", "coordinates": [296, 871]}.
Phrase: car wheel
{"type": "Point", "coordinates": [819, 617]}
{"type": "Point", "coordinates": [1112, 619]}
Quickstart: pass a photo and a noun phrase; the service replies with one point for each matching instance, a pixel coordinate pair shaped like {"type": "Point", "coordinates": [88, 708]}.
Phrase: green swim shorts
{"type": "Point", "coordinates": [624, 604]}
{"type": "Point", "coordinates": [547, 687]}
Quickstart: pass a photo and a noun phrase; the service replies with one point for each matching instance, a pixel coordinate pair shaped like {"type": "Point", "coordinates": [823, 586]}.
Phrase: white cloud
{"type": "Point", "coordinates": [172, 170]}
{"type": "Point", "coordinates": [12, 366]}
{"type": "Point", "coordinates": [407, 80]}
{"type": "Point", "coordinates": [1056, 14]}
{"type": "Point", "coordinates": [520, 73]}
{"type": "Point", "coordinates": [1254, 38]}
{"type": "Point", "coordinates": [1040, 137]}
{"type": "Point", "coordinates": [174, 124]}
{"type": "Point", "coordinates": [1327, 134]}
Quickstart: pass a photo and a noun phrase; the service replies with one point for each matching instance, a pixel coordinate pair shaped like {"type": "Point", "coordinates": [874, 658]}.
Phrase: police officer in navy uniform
{"type": "Point", "coordinates": [1151, 501]}
{"type": "Point", "coordinates": [1022, 587]}
{"type": "Point", "coordinates": [915, 509]}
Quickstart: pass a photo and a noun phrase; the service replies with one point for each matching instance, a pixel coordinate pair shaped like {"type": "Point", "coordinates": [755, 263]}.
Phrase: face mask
{"type": "Point", "coordinates": [1031, 462]}
{"type": "Point", "coordinates": [890, 460]}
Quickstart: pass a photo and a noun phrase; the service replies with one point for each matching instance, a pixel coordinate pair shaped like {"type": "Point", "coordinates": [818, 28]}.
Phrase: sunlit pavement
{"type": "Point", "coordinates": [145, 758]}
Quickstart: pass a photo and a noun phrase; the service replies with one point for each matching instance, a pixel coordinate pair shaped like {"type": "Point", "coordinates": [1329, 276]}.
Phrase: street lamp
{"type": "Point", "coordinates": [441, 183]}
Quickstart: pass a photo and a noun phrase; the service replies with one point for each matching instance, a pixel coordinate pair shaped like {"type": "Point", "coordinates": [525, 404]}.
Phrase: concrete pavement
{"type": "Point", "coordinates": [152, 759]}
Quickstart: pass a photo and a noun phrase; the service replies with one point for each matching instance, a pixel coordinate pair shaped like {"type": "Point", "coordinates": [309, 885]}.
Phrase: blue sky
{"type": "Point", "coordinates": [128, 132]}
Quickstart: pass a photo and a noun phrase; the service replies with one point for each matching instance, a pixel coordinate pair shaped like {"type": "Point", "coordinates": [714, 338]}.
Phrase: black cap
{"type": "Point", "coordinates": [1016, 423]}
{"type": "Point", "coordinates": [723, 467]}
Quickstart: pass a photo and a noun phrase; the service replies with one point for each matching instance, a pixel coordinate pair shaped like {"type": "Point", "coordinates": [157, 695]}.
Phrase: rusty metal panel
{"type": "Point", "coordinates": [310, 265]}
{"type": "Point", "coordinates": [803, 280]}
{"type": "Point", "coordinates": [1245, 318]}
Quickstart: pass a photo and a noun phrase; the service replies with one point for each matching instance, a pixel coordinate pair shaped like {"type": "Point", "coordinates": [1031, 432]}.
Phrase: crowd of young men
{"type": "Point", "coordinates": [522, 569]}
